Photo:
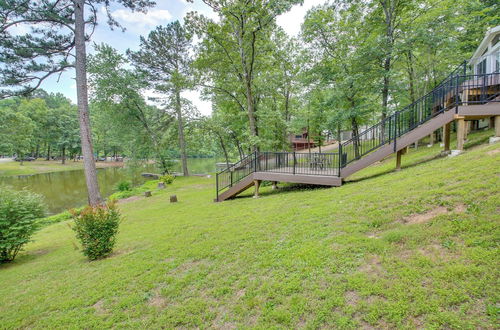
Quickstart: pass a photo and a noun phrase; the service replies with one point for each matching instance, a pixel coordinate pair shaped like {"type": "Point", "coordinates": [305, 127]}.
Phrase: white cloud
{"type": "Point", "coordinates": [291, 20]}
{"type": "Point", "coordinates": [204, 107]}
{"type": "Point", "coordinates": [194, 96]}
{"type": "Point", "coordinates": [142, 21]}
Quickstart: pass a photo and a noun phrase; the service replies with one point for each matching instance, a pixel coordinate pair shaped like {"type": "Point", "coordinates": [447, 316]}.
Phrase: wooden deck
{"type": "Point", "coordinates": [323, 169]}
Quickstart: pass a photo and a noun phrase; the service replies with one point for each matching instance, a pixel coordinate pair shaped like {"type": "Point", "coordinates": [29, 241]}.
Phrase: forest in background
{"type": "Point", "coordinates": [354, 63]}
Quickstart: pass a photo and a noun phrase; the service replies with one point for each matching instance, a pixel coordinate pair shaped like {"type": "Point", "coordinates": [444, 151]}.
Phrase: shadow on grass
{"type": "Point", "coordinates": [24, 258]}
{"type": "Point", "coordinates": [283, 188]}
{"type": "Point", "coordinates": [427, 160]}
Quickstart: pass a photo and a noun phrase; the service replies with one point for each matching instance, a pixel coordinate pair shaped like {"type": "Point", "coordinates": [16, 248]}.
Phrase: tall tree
{"type": "Point", "coordinates": [164, 58]}
{"type": "Point", "coordinates": [56, 42]}
{"type": "Point", "coordinates": [240, 39]}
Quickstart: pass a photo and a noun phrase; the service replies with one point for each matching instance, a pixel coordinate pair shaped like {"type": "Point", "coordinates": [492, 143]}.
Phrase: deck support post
{"type": "Point", "coordinates": [460, 133]}
{"type": "Point", "coordinates": [491, 123]}
{"type": "Point", "coordinates": [257, 185]}
{"type": "Point", "coordinates": [497, 126]}
{"type": "Point", "coordinates": [275, 185]}
{"type": "Point", "coordinates": [496, 138]}
{"type": "Point", "coordinates": [446, 138]}
{"type": "Point", "coordinates": [431, 140]}
{"type": "Point", "coordinates": [398, 158]}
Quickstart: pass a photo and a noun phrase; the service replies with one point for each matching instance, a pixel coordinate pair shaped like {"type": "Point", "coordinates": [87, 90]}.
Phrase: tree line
{"type": "Point", "coordinates": [354, 63]}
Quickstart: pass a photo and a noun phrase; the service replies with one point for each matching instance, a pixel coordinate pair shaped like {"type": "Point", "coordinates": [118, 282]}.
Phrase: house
{"type": "Point", "coordinates": [303, 141]}
{"type": "Point", "coordinates": [486, 58]}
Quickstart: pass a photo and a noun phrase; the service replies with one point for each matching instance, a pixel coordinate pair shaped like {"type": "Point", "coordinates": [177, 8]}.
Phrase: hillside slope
{"type": "Point", "coordinates": [415, 248]}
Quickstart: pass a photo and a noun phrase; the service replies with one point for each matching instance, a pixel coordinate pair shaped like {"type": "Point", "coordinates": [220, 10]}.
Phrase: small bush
{"type": "Point", "coordinates": [19, 211]}
{"type": "Point", "coordinates": [96, 229]}
{"type": "Point", "coordinates": [167, 178]}
{"type": "Point", "coordinates": [124, 186]}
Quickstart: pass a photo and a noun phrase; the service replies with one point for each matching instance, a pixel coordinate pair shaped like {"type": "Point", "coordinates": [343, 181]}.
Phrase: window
{"type": "Point", "coordinates": [481, 67]}
{"type": "Point", "coordinates": [497, 62]}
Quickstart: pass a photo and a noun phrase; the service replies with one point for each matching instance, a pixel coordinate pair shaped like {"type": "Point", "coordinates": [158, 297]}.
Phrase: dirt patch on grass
{"type": "Point", "coordinates": [351, 298]}
{"type": "Point", "coordinates": [429, 215]}
{"type": "Point", "coordinates": [157, 301]}
{"type": "Point", "coordinates": [437, 252]}
{"type": "Point", "coordinates": [493, 152]}
{"type": "Point", "coordinates": [40, 252]}
{"type": "Point", "coordinates": [240, 293]}
{"type": "Point", "coordinates": [99, 307]}
{"type": "Point", "coordinates": [372, 267]}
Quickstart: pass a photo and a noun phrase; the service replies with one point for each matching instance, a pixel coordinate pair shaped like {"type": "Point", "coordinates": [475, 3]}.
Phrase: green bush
{"type": "Point", "coordinates": [167, 178]}
{"type": "Point", "coordinates": [96, 229]}
{"type": "Point", "coordinates": [19, 211]}
{"type": "Point", "coordinates": [124, 186]}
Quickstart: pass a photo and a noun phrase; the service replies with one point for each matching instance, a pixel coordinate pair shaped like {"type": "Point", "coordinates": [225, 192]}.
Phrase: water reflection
{"type": "Point", "coordinates": [64, 190]}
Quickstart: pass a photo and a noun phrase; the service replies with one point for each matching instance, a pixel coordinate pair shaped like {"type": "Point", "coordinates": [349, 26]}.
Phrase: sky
{"type": "Point", "coordinates": [164, 12]}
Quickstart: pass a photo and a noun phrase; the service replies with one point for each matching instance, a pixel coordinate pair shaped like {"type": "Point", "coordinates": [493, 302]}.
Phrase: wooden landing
{"type": "Point", "coordinates": [248, 182]}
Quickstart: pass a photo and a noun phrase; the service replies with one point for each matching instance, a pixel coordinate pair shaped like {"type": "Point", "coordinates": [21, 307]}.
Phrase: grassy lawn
{"type": "Point", "coordinates": [410, 249]}
{"type": "Point", "coordinates": [45, 166]}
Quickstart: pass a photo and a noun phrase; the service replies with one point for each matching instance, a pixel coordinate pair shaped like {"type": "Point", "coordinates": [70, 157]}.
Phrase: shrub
{"type": "Point", "coordinates": [19, 211]}
{"type": "Point", "coordinates": [124, 186]}
{"type": "Point", "coordinates": [167, 178]}
{"type": "Point", "coordinates": [96, 229]}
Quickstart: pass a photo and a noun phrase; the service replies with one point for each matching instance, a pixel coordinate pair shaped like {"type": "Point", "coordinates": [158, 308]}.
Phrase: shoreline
{"type": "Point", "coordinates": [44, 167]}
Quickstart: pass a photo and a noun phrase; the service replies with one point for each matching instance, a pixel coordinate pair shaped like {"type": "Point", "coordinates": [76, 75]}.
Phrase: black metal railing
{"type": "Point", "coordinates": [299, 163]}
{"type": "Point", "coordinates": [235, 173]}
{"type": "Point", "coordinates": [451, 93]}
{"type": "Point", "coordinates": [314, 163]}
{"type": "Point", "coordinates": [459, 88]}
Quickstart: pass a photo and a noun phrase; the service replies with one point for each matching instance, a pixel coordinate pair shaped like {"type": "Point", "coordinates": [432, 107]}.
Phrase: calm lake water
{"type": "Point", "coordinates": [65, 190]}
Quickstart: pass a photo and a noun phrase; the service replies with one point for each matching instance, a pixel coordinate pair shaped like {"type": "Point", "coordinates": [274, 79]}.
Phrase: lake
{"type": "Point", "coordinates": [65, 190]}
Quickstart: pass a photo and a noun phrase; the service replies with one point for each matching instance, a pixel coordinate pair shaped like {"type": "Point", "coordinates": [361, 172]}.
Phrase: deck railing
{"type": "Point", "coordinates": [459, 88]}
{"type": "Point", "coordinates": [450, 94]}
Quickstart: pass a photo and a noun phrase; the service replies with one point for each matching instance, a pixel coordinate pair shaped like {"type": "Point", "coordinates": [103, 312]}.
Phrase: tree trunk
{"type": "Point", "coordinates": [355, 136]}
{"type": "Point", "coordinates": [389, 10]}
{"type": "Point", "coordinates": [238, 145]}
{"type": "Point", "coordinates": [94, 195]}
{"type": "Point", "coordinates": [385, 87]}
{"type": "Point", "coordinates": [63, 158]}
{"type": "Point", "coordinates": [48, 151]}
{"type": "Point", "coordinates": [247, 80]}
{"type": "Point", "coordinates": [251, 113]}
{"type": "Point", "coordinates": [182, 142]}
{"type": "Point", "coordinates": [411, 76]}
{"type": "Point", "coordinates": [223, 146]}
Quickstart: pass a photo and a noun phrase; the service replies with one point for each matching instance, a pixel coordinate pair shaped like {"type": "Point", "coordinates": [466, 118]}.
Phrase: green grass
{"type": "Point", "coordinates": [42, 166]}
{"type": "Point", "coordinates": [341, 257]}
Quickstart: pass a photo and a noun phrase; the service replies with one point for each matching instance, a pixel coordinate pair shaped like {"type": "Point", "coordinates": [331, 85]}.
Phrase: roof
{"type": "Point", "coordinates": [484, 44]}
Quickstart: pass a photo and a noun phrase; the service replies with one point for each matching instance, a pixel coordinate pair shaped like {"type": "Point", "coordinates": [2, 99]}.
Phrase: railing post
{"type": "Point", "coordinates": [340, 157]}
{"type": "Point", "coordinates": [396, 117]}
{"type": "Point", "coordinates": [217, 187]}
{"type": "Point", "coordinates": [231, 183]}
{"type": "Point", "coordinates": [456, 95]}
{"type": "Point", "coordinates": [294, 161]}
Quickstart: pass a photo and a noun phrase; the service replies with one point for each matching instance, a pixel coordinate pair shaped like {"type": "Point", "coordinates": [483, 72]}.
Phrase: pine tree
{"type": "Point", "coordinates": [59, 44]}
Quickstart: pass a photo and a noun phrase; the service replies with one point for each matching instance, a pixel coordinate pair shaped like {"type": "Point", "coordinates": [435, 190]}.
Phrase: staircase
{"type": "Point", "coordinates": [461, 95]}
